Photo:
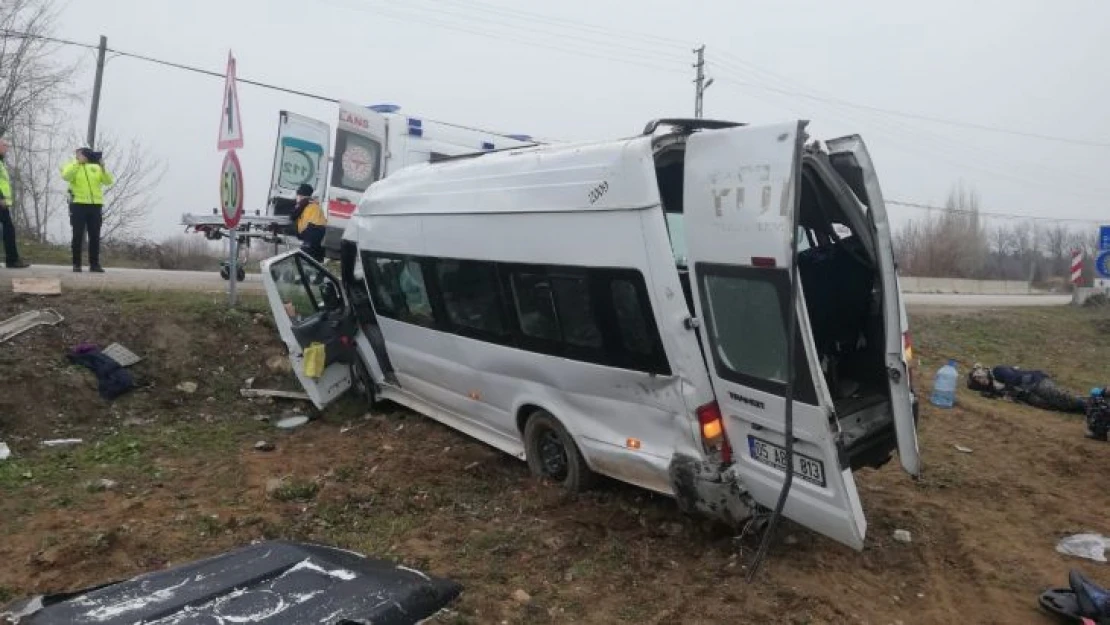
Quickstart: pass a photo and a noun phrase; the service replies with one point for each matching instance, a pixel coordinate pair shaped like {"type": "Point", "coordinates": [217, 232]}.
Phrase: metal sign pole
{"type": "Point", "coordinates": [233, 262]}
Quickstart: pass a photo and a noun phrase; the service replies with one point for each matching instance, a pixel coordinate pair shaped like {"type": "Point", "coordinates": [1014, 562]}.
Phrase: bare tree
{"type": "Point", "coordinates": [128, 201]}
{"type": "Point", "coordinates": [950, 243]}
{"type": "Point", "coordinates": [30, 76]}
{"type": "Point", "coordinates": [34, 159]}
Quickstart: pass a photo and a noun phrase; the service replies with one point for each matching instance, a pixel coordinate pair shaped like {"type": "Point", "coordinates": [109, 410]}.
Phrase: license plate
{"type": "Point", "coordinates": [772, 455]}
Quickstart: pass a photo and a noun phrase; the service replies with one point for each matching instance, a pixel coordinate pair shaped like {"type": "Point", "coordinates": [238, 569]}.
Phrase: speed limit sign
{"type": "Point", "coordinates": [231, 189]}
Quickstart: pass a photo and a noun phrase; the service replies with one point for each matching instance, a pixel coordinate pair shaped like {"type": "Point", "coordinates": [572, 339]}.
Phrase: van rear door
{"type": "Point", "coordinates": [740, 197]}
{"type": "Point", "coordinates": [849, 156]}
{"type": "Point", "coordinates": [300, 157]}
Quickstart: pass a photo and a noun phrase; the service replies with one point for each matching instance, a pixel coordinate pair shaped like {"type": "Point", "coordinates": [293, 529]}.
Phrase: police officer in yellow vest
{"type": "Point", "coordinates": [310, 221]}
{"type": "Point", "coordinates": [87, 178]}
{"type": "Point", "coordinates": [11, 254]}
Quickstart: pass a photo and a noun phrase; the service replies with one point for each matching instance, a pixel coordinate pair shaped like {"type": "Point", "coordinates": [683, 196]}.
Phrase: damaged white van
{"type": "Point", "coordinates": [624, 308]}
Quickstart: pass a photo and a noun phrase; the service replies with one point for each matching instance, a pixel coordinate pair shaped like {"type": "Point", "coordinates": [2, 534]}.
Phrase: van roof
{"type": "Point", "coordinates": [611, 175]}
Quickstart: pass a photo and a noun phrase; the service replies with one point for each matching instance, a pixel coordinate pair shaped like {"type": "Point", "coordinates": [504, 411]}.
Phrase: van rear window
{"type": "Point", "coordinates": [745, 310]}
{"type": "Point", "coordinates": [748, 326]}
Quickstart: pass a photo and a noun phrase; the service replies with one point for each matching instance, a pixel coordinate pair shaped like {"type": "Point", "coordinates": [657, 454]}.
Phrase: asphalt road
{"type": "Point", "coordinates": [210, 281]}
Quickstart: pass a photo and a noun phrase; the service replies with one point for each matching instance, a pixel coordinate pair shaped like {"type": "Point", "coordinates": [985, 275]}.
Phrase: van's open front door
{"type": "Point", "coordinates": [849, 157]}
{"type": "Point", "coordinates": [311, 312]}
{"type": "Point", "coordinates": [300, 157]}
{"type": "Point", "coordinates": [740, 198]}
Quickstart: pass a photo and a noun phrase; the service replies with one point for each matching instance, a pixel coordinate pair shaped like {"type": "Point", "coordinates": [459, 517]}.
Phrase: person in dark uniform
{"type": "Point", "coordinates": [11, 253]}
{"type": "Point", "coordinates": [310, 222]}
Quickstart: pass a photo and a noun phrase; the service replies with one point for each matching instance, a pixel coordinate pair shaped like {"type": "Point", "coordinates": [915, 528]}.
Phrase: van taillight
{"type": "Point", "coordinates": [713, 436]}
{"type": "Point", "coordinates": [907, 347]}
{"type": "Point", "coordinates": [767, 262]}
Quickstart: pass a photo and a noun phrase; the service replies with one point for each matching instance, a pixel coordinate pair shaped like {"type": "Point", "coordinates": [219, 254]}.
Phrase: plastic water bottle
{"type": "Point", "coordinates": [944, 386]}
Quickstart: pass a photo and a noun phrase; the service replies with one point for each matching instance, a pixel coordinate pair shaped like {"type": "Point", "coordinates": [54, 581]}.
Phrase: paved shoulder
{"type": "Point", "coordinates": [128, 279]}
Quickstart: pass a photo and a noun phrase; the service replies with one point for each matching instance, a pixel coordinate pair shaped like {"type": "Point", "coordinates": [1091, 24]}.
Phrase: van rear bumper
{"type": "Point", "coordinates": [707, 489]}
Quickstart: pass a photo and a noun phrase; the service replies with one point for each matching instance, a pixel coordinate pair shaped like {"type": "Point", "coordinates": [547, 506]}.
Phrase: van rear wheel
{"type": "Point", "coordinates": [552, 453]}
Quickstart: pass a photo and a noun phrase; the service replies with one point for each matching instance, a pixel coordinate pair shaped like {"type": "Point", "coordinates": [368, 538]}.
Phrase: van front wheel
{"type": "Point", "coordinates": [552, 453]}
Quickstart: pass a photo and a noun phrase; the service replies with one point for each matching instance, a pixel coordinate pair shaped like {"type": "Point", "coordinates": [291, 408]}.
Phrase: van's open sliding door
{"type": "Point", "coordinates": [740, 197]}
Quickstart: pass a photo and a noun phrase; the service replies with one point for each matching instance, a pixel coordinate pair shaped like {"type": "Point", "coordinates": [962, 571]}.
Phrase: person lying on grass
{"type": "Point", "coordinates": [1028, 386]}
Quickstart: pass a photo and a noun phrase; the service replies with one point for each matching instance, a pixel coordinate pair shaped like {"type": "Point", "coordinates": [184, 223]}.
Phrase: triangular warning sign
{"type": "Point", "coordinates": [231, 124]}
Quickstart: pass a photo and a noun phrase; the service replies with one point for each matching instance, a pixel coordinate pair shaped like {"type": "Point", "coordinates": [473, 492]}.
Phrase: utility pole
{"type": "Point", "coordinates": [700, 83]}
{"type": "Point", "coordinates": [95, 109]}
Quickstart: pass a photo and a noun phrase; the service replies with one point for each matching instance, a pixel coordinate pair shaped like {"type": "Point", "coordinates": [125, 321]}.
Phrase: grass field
{"type": "Point", "coordinates": [185, 482]}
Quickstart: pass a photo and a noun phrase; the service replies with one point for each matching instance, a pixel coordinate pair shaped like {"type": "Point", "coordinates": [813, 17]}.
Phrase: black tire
{"type": "Point", "coordinates": [225, 272]}
{"type": "Point", "coordinates": [240, 274]}
{"type": "Point", "coordinates": [552, 453]}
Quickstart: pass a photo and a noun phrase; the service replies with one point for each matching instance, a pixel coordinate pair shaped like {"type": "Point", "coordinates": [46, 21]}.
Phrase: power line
{"type": "Point", "coordinates": [553, 21]}
{"type": "Point", "coordinates": [920, 117]}
{"type": "Point", "coordinates": [205, 72]}
{"type": "Point", "coordinates": [967, 211]}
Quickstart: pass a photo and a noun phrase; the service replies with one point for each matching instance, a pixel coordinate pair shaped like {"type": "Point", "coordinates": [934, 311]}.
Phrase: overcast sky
{"type": "Point", "coordinates": [580, 69]}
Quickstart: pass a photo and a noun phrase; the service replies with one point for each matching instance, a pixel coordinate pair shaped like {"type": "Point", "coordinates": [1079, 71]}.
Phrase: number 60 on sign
{"type": "Point", "coordinates": [231, 189]}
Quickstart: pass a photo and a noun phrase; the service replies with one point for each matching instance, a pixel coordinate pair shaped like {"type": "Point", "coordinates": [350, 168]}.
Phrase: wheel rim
{"type": "Point", "coordinates": [553, 454]}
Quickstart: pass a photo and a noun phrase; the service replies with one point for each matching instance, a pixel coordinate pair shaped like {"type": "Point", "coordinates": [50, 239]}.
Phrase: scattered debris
{"type": "Point", "coordinates": [102, 484]}
{"type": "Point", "coordinates": [187, 387]}
{"type": "Point", "coordinates": [271, 582]}
{"type": "Point", "coordinates": [279, 364]}
{"type": "Point", "coordinates": [248, 383]}
{"type": "Point", "coordinates": [262, 418]}
{"type": "Point", "coordinates": [264, 446]}
{"type": "Point", "coordinates": [253, 393]}
{"type": "Point", "coordinates": [5, 451]}
{"type": "Point", "coordinates": [22, 322]}
{"type": "Point", "coordinates": [121, 354]}
{"type": "Point", "coordinates": [963, 450]}
{"type": "Point", "coordinates": [37, 286]}
{"type": "Point", "coordinates": [290, 423]}
{"type": "Point", "coordinates": [1087, 546]}
{"type": "Point", "coordinates": [471, 466]}
{"type": "Point", "coordinates": [62, 442]}
{"type": "Point", "coordinates": [274, 484]}
{"type": "Point", "coordinates": [520, 596]}
{"type": "Point", "coordinates": [903, 536]}
{"type": "Point", "coordinates": [112, 379]}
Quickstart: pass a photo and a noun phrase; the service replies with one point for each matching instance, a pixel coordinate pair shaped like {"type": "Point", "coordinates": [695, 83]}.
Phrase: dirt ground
{"type": "Point", "coordinates": [189, 483]}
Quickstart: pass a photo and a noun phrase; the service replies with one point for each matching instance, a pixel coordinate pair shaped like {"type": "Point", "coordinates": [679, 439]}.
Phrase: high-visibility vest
{"type": "Point", "coordinates": [311, 215]}
{"type": "Point", "coordinates": [86, 181]}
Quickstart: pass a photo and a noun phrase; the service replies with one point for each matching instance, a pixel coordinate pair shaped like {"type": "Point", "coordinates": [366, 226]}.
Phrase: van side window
{"type": "Point", "coordinates": [399, 292]}
{"type": "Point", "coordinates": [471, 295]}
{"type": "Point", "coordinates": [633, 327]}
{"type": "Point", "coordinates": [576, 311]}
{"type": "Point", "coordinates": [556, 308]}
{"type": "Point", "coordinates": [535, 306]}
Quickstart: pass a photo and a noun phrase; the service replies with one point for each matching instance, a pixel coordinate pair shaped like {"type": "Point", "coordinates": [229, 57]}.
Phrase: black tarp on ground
{"type": "Point", "coordinates": [269, 583]}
